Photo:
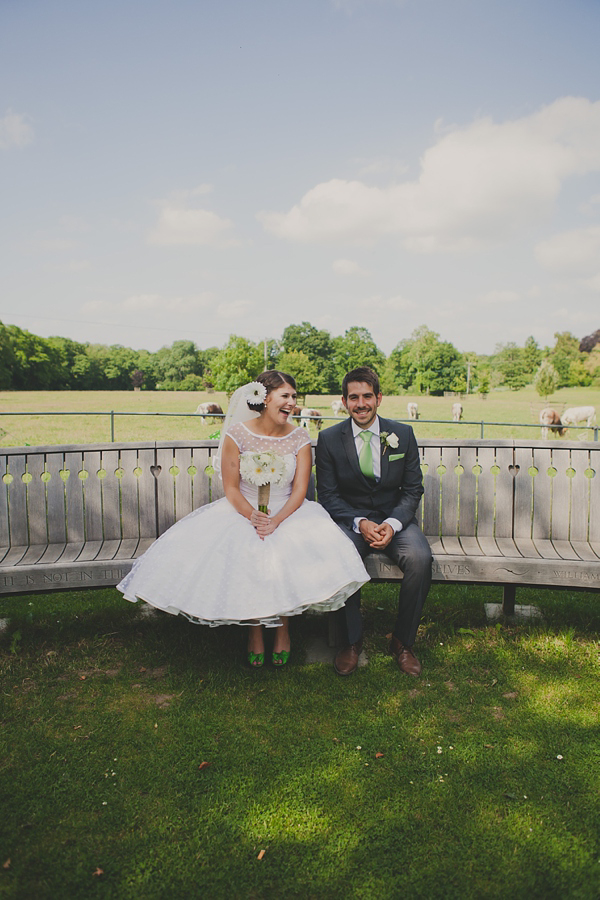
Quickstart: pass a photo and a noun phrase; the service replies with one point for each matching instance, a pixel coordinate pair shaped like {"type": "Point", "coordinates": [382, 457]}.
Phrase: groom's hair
{"type": "Point", "coordinates": [272, 379]}
{"type": "Point", "coordinates": [363, 374]}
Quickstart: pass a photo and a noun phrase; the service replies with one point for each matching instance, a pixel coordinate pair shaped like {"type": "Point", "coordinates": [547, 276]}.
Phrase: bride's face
{"type": "Point", "coordinates": [279, 404]}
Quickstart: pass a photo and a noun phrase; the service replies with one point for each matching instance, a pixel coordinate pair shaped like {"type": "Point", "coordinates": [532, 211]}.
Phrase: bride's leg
{"type": "Point", "coordinates": [282, 636]}
{"type": "Point", "coordinates": [256, 645]}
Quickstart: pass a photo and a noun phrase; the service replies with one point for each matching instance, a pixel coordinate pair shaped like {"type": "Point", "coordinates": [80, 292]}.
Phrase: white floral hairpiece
{"type": "Point", "coordinates": [256, 393]}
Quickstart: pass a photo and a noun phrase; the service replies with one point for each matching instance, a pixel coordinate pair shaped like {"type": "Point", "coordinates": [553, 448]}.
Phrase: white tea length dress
{"type": "Point", "coordinates": [214, 569]}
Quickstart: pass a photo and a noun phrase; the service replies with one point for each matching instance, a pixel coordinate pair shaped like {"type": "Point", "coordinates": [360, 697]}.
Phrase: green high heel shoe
{"type": "Point", "coordinates": [256, 660]}
{"type": "Point", "coordinates": [280, 659]}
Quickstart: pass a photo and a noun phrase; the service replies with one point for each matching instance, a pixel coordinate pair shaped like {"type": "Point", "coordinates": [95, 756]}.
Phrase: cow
{"type": "Point", "coordinates": [413, 410]}
{"type": "Point", "coordinates": [550, 421]}
{"type": "Point", "coordinates": [308, 415]}
{"type": "Point", "coordinates": [209, 409]}
{"type": "Point", "coordinates": [577, 415]}
{"type": "Point", "coordinates": [337, 407]}
{"type": "Point", "coordinates": [457, 412]}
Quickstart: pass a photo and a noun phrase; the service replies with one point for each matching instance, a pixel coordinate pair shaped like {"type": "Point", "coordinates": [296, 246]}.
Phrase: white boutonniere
{"type": "Point", "coordinates": [388, 439]}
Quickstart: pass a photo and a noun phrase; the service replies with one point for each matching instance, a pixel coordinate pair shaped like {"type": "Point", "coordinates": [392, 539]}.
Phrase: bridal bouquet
{"type": "Point", "coordinates": [262, 470]}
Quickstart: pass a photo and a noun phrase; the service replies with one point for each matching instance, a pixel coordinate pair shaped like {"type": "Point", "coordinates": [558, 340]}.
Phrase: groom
{"type": "Point", "coordinates": [369, 481]}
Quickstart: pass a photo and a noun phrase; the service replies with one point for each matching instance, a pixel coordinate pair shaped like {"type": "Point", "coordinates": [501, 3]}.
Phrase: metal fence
{"type": "Point", "coordinates": [113, 413]}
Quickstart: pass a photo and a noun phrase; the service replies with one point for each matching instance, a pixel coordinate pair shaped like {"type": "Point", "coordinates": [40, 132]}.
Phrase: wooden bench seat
{"type": "Point", "coordinates": [495, 512]}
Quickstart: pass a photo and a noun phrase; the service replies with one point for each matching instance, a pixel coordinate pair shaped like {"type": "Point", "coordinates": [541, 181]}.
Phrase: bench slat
{"type": "Point", "coordinates": [507, 547]}
{"type": "Point", "coordinates": [431, 484]}
{"type": "Point", "coordinates": [109, 549]}
{"type": "Point", "coordinates": [4, 535]}
{"type": "Point", "coordinates": [546, 549]}
{"type": "Point", "coordinates": [55, 499]}
{"type": "Point", "coordinates": [130, 509]}
{"type": "Point", "coordinates": [585, 551]}
{"type": "Point", "coordinates": [201, 481]}
{"type": "Point", "coordinates": [89, 551]}
{"type": "Point", "coordinates": [485, 496]}
{"type": "Point", "coordinates": [452, 546]}
{"type": "Point", "coordinates": [522, 517]}
{"type": "Point", "coordinates": [17, 502]}
{"type": "Point", "coordinates": [504, 488]}
{"type": "Point", "coordinates": [74, 496]}
{"type": "Point", "coordinates": [580, 497]}
{"type": "Point", "coordinates": [92, 489]}
{"type": "Point", "coordinates": [147, 495]}
{"type": "Point", "coordinates": [561, 497]}
{"type": "Point", "coordinates": [527, 548]}
{"type": "Point", "coordinates": [564, 550]}
{"type": "Point", "coordinates": [470, 546]}
{"type": "Point", "coordinates": [166, 489]}
{"type": "Point", "coordinates": [37, 515]}
{"type": "Point", "coordinates": [450, 491]}
{"type": "Point", "coordinates": [488, 546]}
{"type": "Point", "coordinates": [542, 495]}
{"type": "Point", "coordinates": [111, 506]}
{"type": "Point", "coordinates": [467, 525]}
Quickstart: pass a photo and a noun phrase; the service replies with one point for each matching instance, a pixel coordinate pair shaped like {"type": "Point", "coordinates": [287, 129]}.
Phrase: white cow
{"type": "Point", "coordinates": [413, 410]}
{"type": "Point", "coordinates": [308, 415]}
{"type": "Point", "coordinates": [577, 415]}
{"type": "Point", "coordinates": [457, 412]}
{"type": "Point", "coordinates": [337, 407]}
{"type": "Point", "coordinates": [550, 421]}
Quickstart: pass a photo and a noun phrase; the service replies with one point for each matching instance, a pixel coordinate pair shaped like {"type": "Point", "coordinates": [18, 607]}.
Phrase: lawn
{"type": "Point", "coordinates": [141, 759]}
{"type": "Point", "coordinates": [500, 406]}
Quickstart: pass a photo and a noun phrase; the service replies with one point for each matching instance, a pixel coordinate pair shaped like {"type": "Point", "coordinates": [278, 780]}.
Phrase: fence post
{"type": "Point", "coordinates": [112, 426]}
{"type": "Point", "coordinates": [482, 429]}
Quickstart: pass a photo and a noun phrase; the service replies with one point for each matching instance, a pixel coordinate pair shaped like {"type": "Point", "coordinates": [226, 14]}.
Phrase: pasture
{"type": "Point", "coordinates": [520, 407]}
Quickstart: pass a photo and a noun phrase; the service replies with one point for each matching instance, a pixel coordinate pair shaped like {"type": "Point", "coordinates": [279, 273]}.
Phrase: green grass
{"type": "Point", "coordinates": [106, 716]}
{"type": "Point", "coordinates": [499, 406]}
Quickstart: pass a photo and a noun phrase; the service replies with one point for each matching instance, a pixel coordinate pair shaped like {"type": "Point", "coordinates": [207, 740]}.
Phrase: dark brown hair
{"type": "Point", "coordinates": [363, 374]}
{"type": "Point", "coordinates": [272, 379]}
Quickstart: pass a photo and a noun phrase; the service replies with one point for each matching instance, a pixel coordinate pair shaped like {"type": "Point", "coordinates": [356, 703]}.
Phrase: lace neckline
{"type": "Point", "coordinates": [268, 437]}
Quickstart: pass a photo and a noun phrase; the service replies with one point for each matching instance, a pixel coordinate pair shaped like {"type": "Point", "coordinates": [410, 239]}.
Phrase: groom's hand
{"type": "Point", "coordinates": [376, 536]}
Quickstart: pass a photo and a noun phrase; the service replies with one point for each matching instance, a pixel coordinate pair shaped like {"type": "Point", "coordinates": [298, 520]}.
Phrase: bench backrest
{"type": "Point", "coordinates": [500, 489]}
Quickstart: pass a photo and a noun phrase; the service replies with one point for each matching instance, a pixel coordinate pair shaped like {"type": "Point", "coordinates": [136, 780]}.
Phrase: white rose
{"type": "Point", "coordinates": [392, 440]}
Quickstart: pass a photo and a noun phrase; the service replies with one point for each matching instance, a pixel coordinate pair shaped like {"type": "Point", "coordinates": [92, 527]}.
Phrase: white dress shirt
{"type": "Point", "coordinates": [376, 452]}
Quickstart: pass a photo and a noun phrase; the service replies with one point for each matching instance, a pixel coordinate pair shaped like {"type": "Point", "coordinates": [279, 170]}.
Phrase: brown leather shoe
{"type": "Point", "coordinates": [346, 660]}
{"type": "Point", "coordinates": [406, 659]}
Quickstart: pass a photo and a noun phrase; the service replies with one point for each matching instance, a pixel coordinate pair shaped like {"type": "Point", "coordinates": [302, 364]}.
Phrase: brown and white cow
{"type": "Point", "coordinates": [550, 421]}
{"type": "Point", "coordinates": [209, 409]}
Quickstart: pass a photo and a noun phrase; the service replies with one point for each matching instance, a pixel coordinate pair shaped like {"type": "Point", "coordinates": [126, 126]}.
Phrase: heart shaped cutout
{"type": "Point", "coordinates": [156, 470]}
{"type": "Point", "coordinates": [514, 470]}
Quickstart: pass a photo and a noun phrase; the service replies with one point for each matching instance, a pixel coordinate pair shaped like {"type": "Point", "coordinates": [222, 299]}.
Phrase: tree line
{"type": "Point", "coordinates": [419, 364]}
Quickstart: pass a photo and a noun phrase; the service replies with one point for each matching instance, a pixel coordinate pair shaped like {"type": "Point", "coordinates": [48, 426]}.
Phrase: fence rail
{"type": "Point", "coordinates": [113, 413]}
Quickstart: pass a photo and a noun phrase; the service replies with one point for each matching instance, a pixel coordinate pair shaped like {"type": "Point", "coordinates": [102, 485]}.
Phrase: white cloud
{"type": "Point", "coordinates": [393, 304]}
{"type": "Point", "coordinates": [347, 267]}
{"type": "Point", "coordinates": [154, 306]}
{"type": "Point", "coordinates": [15, 130]}
{"type": "Point", "coordinates": [233, 310]}
{"type": "Point", "coordinates": [180, 222]}
{"type": "Point", "coordinates": [499, 298]}
{"type": "Point", "coordinates": [478, 184]}
{"type": "Point", "coordinates": [574, 252]}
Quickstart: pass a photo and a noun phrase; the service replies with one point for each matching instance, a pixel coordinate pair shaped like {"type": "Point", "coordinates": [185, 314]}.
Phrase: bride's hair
{"type": "Point", "coordinates": [272, 379]}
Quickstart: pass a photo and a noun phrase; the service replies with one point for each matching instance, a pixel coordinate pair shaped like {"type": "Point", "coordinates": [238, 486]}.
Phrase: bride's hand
{"type": "Point", "coordinates": [262, 524]}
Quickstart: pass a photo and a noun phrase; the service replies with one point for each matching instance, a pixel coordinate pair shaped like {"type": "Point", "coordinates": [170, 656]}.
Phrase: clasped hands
{"type": "Point", "coordinates": [263, 524]}
{"type": "Point", "coordinates": [376, 536]}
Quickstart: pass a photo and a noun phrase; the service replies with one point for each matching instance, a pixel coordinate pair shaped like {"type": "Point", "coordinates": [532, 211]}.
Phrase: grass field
{"type": "Point", "coordinates": [500, 406]}
{"type": "Point", "coordinates": [140, 759]}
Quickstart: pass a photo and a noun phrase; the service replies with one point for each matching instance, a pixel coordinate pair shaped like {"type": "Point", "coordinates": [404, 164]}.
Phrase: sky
{"type": "Point", "coordinates": [191, 169]}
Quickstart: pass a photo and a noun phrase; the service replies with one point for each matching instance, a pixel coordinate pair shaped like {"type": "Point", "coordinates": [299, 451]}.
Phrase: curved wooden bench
{"type": "Point", "coordinates": [501, 512]}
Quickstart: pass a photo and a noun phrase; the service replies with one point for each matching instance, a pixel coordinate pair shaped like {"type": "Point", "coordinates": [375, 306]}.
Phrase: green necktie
{"type": "Point", "coordinates": [365, 457]}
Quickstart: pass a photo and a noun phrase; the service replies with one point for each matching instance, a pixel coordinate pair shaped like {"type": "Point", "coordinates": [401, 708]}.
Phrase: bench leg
{"type": "Point", "coordinates": [508, 599]}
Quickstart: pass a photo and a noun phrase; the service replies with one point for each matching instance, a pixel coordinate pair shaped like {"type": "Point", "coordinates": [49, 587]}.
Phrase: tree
{"type": "Point", "coordinates": [564, 352]}
{"type": "Point", "coordinates": [172, 364]}
{"type": "Point", "coordinates": [546, 379]}
{"type": "Point", "coordinates": [532, 355]}
{"type": "Point", "coordinates": [308, 378]}
{"type": "Point", "coordinates": [8, 359]}
{"type": "Point", "coordinates": [318, 347]}
{"type": "Point", "coordinates": [509, 361]}
{"type": "Point", "coordinates": [356, 348]}
{"type": "Point", "coordinates": [425, 364]}
{"type": "Point", "coordinates": [237, 363]}
{"type": "Point", "coordinates": [137, 378]}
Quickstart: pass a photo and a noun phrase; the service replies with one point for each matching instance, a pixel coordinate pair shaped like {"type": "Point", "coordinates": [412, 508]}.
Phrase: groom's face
{"type": "Point", "coordinates": [361, 403]}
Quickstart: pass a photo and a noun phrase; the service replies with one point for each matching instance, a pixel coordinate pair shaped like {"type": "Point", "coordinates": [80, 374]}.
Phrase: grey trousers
{"type": "Point", "coordinates": [410, 550]}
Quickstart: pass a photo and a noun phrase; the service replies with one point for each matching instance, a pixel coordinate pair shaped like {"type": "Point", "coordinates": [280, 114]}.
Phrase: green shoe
{"type": "Point", "coordinates": [280, 659]}
{"type": "Point", "coordinates": [256, 660]}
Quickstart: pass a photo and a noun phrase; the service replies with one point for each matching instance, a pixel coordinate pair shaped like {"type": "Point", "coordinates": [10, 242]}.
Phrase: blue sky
{"type": "Point", "coordinates": [193, 168]}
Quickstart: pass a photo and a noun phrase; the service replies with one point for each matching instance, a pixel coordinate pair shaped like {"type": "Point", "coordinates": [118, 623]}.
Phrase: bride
{"type": "Point", "coordinates": [230, 563]}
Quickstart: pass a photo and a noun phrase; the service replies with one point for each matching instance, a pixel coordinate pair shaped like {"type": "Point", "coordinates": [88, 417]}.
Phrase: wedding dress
{"type": "Point", "coordinates": [213, 568]}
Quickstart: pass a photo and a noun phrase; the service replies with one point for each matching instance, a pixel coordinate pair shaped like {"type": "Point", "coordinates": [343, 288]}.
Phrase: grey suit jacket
{"type": "Point", "coordinates": [346, 493]}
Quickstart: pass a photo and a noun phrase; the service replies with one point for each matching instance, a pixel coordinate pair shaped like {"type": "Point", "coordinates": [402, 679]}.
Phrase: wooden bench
{"type": "Point", "coordinates": [500, 512]}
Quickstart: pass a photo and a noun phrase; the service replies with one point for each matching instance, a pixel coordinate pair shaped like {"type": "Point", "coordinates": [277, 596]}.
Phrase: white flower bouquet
{"type": "Point", "coordinates": [262, 470]}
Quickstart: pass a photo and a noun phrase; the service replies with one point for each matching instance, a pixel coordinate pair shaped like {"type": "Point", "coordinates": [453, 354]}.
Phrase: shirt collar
{"type": "Point", "coordinates": [373, 428]}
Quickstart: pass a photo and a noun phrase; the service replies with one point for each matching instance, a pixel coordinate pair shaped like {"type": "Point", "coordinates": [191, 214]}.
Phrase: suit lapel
{"type": "Point", "coordinates": [384, 457]}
